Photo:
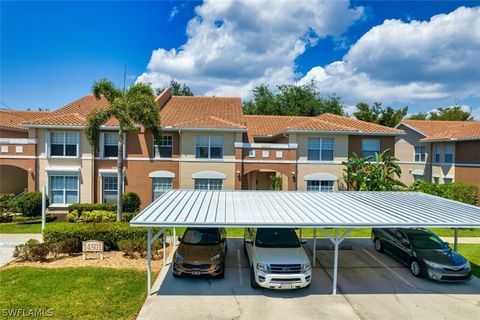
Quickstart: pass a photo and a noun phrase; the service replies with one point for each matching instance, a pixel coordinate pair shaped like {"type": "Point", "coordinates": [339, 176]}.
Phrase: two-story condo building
{"type": "Point", "coordinates": [207, 143]}
{"type": "Point", "coordinates": [439, 151]}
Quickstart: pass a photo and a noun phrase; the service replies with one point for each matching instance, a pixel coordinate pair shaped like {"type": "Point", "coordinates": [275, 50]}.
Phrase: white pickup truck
{"type": "Point", "coordinates": [277, 259]}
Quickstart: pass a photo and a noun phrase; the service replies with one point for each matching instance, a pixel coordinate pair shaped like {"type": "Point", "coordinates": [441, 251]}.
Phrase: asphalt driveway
{"type": "Point", "coordinates": [371, 285]}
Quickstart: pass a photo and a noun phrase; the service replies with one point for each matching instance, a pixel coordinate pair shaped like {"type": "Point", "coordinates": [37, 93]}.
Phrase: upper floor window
{"type": "Point", "coordinates": [436, 153]}
{"type": "Point", "coordinates": [420, 154]}
{"type": "Point", "coordinates": [209, 147]}
{"type": "Point", "coordinates": [164, 147]}
{"type": "Point", "coordinates": [320, 185]}
{"type": "Point", "coordinates": [64, 144]}
{"type": "Point", "coordinates": [370, 147]}
{"type": "Point", "coordinates": [320, 149]}
{"type": "Point", "coordinates": [110, 144]}
{"type": "Point", "coordinates": [208, 184]}
{"type": "Point", "coordinates": [448, 153]}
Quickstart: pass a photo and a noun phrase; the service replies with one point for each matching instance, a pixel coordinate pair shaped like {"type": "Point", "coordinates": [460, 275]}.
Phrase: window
{"type": "Point", "coordinates": [164, 147]}
{"type": "Point", "coordinates": [64, 189]}
{"type": "Point", "coordinates": [447, 180]}
{"type": "Point", "coordinates": [208, 184]}
{"type": "Point", "coordinates": [64, 144]}
{"type": "Point", "coordinates": [436, 180]}
{"type": "Point", "coordinates": [436, 152]}
{"type": "Point", "coordinates": [209, 147]}
{"type": "Point", "coordinates": [448, 155]}
{"type": "Point", "coordinates": [320, 149]}
{"type": "Point", "coordinates": [160, 186]}
{"type": "Point", "coordinates": [109, 189]}
{"type": "Point", "coordinates": [370, 147]}
{"type": "Point", "coordinates": [110, 144]}
{"type": "Point", "coordinates": [417, 177]}
{"type": "Point", "coordinates": [420, 154]}
{"type": "Point", "coordinates": [320, 185]}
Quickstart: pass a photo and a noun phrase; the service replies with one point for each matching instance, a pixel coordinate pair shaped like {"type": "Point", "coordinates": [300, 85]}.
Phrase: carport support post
{"type": "Point", "coordinates": [149, 261]}
{"type": "Point", "coordinates": [44, 204]}
{"type": "Point", "coordinates": [314, 262]}
{"type": "Point", "coordinates": [335, 264]}
{"type": "Point", "coordinates": [455, 239]}
{"type": "Point", "coordinates": [164, 247]}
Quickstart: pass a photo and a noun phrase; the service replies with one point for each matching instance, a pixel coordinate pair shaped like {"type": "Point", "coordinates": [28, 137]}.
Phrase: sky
{"type": "Point", "coordinates": [420, 54]}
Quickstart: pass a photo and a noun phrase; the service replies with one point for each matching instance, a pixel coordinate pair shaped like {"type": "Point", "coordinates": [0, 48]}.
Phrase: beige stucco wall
{"type": "Point", "coordinates": [188, 140]}
{"type": "Point", "coordinates": [405, 145]}
{"type": "Point", "coordinates": [189, 168]}
{"type": "Point", "coordinates": [340, 149]}
{"type": "Point", "coordinates": [407, 170]}
{"type": "Point", "coordinates": [306, 169]}
{"type": "Point", "coordinates": [85, 162]}
{"type": "Point", "coordinates": [443, 171]}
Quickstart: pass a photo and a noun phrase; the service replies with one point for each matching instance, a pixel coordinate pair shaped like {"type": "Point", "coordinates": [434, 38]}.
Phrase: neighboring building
{"type": "Point", "coordinates": [207, 143]}
{"type": "Point", "coordinates": [439, 151]}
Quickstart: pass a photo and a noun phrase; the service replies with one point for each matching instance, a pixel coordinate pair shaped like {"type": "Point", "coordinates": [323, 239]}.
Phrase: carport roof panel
{"type": "Point", "coordinates": [305, 209]}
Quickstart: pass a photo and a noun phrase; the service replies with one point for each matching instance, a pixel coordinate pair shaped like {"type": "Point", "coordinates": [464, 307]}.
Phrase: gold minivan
{"type": "Point", "coordinates": [201, 252]}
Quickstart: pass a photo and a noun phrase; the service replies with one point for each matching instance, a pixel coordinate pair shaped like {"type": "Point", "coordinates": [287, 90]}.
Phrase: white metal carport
{"type": "Point", "coordinates": [295, 209]}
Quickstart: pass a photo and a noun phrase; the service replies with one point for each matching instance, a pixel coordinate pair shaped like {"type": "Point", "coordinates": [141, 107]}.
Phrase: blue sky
{"type": "Point", "coordinates": [51, 52]}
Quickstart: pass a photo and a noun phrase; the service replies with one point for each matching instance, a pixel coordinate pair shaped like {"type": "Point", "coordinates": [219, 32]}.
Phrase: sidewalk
{"type": "Point", "coordinates": [471, 240]}
{"type": "Point", "coordinates": [9, 241]}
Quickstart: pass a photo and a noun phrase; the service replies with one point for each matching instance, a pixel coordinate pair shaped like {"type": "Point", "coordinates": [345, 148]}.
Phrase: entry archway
{"type": "Point", "coordinates": [13, 179]}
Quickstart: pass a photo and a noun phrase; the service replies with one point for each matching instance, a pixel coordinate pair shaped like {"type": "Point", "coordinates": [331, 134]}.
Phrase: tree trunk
{"type": "Point", "coordinates": [120, 174]}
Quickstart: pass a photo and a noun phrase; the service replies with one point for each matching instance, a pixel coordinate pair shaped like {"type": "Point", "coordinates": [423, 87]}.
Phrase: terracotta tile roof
{"type": "Point", "coordinates": [13, 118]}
{"type": "Point", "coordinates": [202, 112]}
{"type": "Point", "coordinates": [175, 112]}
{"type": "Point", "coordinates": [260, 125]}
{"type": "Point", "coordinates": [445, 130]}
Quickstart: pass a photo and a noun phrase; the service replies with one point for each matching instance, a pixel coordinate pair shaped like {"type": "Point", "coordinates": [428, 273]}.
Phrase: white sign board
{"type": "Point", "coordinates": [92, 246]}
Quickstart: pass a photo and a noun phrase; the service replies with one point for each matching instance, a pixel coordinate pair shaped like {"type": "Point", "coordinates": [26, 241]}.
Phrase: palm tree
{"type": "Point", "coordinates": [131, 107]}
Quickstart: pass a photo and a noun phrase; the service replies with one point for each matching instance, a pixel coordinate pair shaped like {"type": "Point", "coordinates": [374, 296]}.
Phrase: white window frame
{"type": "Point", "coordinates": [322, 142]}
{"type": "Point", "coordinates": [164, 188]}
{"type": "Point", "coordinates": [110, 173]}
{"type": "Point", "coordinates": [114, 176]}
{"type": "Point", "coordinates": [48, 142]}
{"type": "Point", "coordinates": [63, 174]}
{"type": "Point", "coordinates": [323, 185]}
{"type": "Point", "coordinates": [209, 184]}
{"type": "Point", "coordinates": [156, 147]}
{"type": "Point", "coordinates": [421, 155]}
{"type": "Point", "coordinates": [366, 144]}
{"type": "Point", "coordinates": [209, 146]}
{"type": "Point", "coordinates": [102, 145]}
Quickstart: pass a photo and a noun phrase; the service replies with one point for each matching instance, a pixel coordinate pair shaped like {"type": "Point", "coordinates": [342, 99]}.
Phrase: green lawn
{"type": "Point", "coordinates": [13, 227]}
{"type": "Point", "coordinates": [472, 253]}
{"type": "Point", "coordinates": [74, 293]}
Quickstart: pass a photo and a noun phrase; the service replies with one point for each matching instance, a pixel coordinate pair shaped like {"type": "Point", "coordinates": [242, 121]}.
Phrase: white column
{"type": "Point", "coordinates": [149, 262]}
{"type": "Point", "coordinates": [164, 248]}
{"type": "Point", "coordinates": [44, 204]}
{"type": "Point", "coordinates": [335, 264]}
{"type": "Point", "coordinates": [314, 246]}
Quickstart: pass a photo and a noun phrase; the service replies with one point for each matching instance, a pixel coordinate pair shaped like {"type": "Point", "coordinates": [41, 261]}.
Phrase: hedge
{"type": "Point", "coordinates": [108, 232]}
{"type": "Point", "coordinates": [80, 207]}
{"type": "Point", "coordinates": [98, 216]}
{"type": "Point", "coordinates": [459, 191]}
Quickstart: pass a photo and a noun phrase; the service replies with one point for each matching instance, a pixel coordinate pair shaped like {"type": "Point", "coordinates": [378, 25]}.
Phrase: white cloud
{"type": "Point", "coordinates": [435, 60]}
{"type": "Point", "coordinates": [476, 113]}
{"type": "Point", "coordinates": [173, 13]}
{"type": "Point", "coordinates": [233, 46]}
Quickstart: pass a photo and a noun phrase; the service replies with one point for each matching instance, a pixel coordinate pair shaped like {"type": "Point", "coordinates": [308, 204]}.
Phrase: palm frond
{"type": "Point", "coordinates": [107, 89]}
{"type": "Point", "coordinates": [94, 121]}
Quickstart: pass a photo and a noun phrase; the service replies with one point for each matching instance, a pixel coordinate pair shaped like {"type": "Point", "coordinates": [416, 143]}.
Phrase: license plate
{"type": "Point", "coordinates": [196, 273]}
{"type": "Point", "coordinates": [286, 286]}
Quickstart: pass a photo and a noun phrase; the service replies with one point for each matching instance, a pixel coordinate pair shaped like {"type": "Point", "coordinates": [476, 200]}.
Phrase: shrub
{"type": "Point", "coordinates": [30, 204]}
{"type": "Point", "coordinates": [98, 216]}
{"type": "Point", "coordinates": [459, 191]}
{"type": "Point", "coordinates": [69, 246]}
{"type": "Point", "coordinates": [20, 219]}
{"type": "Point", "coordinates": [134, 248]}
{"type": "Point", "coordinates": [72, 216]}
{"type": "Point", "coordinates": [108, 232]}
{"type": "Point", "coordinates": [7, 202]}
{"type": "Point", "coordinates": [5, 217]}
{"type": "Point", "coordinates": [127, 216]}
{"type": "Point", "coordinates": [80, 207]}
{"type": "Point", "coordinates": [131, 202]}
{"type": "Point", "coordinates": [32, 250]}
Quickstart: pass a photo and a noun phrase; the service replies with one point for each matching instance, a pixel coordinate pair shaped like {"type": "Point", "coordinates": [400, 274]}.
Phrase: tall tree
{"type": "Point", "coordinates": [418, 116]}
{"type": "Point", "coordinates": [131, 107]}
{"type": "Point", "coordinates": [292, 100]}
{"type": "Point", "coordinates": [377, 114]}
{"type": "Point", "coordinates": [177, 89]}
{"type": "Point", "coordinates": [451, 114]}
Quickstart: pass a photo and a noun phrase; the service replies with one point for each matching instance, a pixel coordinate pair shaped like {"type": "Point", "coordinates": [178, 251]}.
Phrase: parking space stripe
{"type": "Point", "coordinates": [389, 269]}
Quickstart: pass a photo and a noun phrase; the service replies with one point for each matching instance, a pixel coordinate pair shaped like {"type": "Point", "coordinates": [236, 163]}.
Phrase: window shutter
{"type": "Point", "coordinates": [78, 144]}
{"type": "Point", "coordinates": [101, 142]}
{"type": "Point", "coordinates": [47, 143]}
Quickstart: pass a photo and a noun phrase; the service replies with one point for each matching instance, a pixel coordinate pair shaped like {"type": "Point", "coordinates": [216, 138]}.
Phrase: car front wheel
{"type": "Point", "coordinates": [415, 268]}
{"type": "Point", "coordinates": [253, 282]}
{"type": "Point", "coordinates": [378, 245]}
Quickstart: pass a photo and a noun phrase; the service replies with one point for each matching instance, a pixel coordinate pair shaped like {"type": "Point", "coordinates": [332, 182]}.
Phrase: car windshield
{"type": "Point", "coordinates": [277, 238]}
{"type": "Point", "coordinates": [426, 241]}
{"type": "Point", "coordinates": [201, 236]}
